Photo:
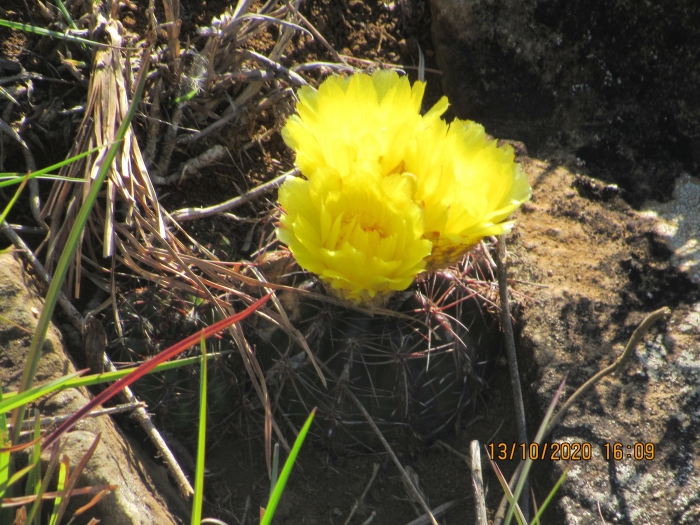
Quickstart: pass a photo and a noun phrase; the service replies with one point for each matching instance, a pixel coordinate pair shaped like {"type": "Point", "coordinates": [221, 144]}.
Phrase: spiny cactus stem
{"type": "Point", "coordinates": [404, 475]}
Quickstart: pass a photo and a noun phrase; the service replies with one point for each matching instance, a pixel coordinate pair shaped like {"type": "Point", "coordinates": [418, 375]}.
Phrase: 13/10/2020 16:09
{"type": "Point", "coordinates": [570, 451]}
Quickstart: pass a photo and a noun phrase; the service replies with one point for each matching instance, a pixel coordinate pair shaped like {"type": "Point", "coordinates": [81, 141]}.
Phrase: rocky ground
{"type": "Point", "coordinates": [598, 101]}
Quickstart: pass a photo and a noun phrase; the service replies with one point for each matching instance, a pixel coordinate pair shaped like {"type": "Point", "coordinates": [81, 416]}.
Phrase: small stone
{"type": "Point", "coordinates": [554, 233]}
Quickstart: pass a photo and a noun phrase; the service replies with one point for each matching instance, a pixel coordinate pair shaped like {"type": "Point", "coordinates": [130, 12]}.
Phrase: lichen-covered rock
{"type": "Point", "coordinates": [679, 224]}
{"type": "Point", "coordinates": [603, 269]}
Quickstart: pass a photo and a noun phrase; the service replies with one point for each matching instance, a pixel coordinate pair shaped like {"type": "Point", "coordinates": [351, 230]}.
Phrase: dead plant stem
{"type": "Point", "coordinates": [507, 326]}
{"type": "Point", "coordinates": [188, 214]}
{"type": "Point", "coordinates": [406, 478]}
{"type": "Point", "coordinates": [479, 496]}
{"type": "Point", "coordinates": [358, 502]}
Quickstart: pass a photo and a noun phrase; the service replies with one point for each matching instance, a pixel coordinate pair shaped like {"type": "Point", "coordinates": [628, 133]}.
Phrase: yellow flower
{"type": "Point", "coordinates": [361, 118]}
{"type": "Point", "coordinates": [389, 193]}
{"type": "Point", "coordinates": [467, 185]}
{"type": "Point", "coordinates": [362, 233]}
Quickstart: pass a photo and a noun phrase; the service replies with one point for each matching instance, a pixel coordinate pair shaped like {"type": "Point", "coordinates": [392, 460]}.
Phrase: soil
{"type": "Point", "coordinates": [578, 237]}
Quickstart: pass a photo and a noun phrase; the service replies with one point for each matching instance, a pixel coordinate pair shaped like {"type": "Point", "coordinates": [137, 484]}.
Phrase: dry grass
{"type": "Point", "coordinates": [197, 86]}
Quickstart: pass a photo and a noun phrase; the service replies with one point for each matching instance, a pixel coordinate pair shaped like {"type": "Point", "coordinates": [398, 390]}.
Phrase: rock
{"type": "Point", "coordinates": [117, 460]}
{"type": "Point", "coordinates": [601, 275]}
{"type": "Point", "coordinates": [679, 224]}
{"type": "Point", "coordinates": [607, 88]}
{"type": "Point", "coordinates": [607, 85]}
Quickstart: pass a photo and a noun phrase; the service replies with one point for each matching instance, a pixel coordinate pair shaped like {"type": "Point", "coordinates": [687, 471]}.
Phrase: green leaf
{"type": "Point", "coordinates": [201, 439]}
{"type": "Point", "coordinates": [18, 400]}
{"type": "Point", "coordinates": [47, 32]}
{"type": "Point", "coordinates": [108, 377]}
{"type": "Point", "coordinates": [286, 470]}
{"type": "Point", "coordinates": [60, 487]}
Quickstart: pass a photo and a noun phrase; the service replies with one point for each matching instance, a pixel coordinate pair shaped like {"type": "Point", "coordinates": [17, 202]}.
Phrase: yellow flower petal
{"type": "Point", "coordinates": [467, 186]}
{"type": "Point", "coordinates": [388, 192]}
{"type": "Point", "coordinates": [358, 119]}
{"type": "Point", "coordinates": [361, 233]}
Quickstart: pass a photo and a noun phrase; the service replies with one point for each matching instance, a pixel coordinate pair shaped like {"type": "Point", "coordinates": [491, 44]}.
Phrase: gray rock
{"type": "Point", "coordinates": [597, 280]}
{"type": "Point", "coordinates": [610, 85]}
{"type": "Point", "coordinates": [679, 224]}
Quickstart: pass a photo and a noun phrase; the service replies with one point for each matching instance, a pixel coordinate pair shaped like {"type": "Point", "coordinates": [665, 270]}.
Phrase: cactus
{"type": "Point", "coordinates": [415, 365]}
{"type": "Point", "coordinates": [153, 319]}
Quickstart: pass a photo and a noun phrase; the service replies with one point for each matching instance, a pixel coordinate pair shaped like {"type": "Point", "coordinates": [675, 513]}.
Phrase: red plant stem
{"type": "Point", "coordinates": [149, 365]}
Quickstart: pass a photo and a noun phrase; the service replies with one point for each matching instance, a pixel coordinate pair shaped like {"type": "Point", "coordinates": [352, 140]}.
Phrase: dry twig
{"type": "Point", "coordinates": [507, 327]}
{"type": "Point", "coordinates": [358, 502]}
{"type": "Point", "coordinates": [479, 496]}
{"type": "Point", "coordinates": [414, 492]}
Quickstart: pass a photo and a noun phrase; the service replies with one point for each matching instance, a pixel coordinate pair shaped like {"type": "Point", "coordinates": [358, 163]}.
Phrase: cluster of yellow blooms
{"type": "Point", "coordinates": [388, 192]}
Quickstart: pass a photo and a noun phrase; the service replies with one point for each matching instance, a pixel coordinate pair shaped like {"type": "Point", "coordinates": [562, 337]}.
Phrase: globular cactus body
{"type": "Point", "coordinates": [415, 365]}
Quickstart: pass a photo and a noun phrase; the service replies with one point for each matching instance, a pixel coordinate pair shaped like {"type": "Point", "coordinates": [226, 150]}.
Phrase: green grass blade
{"type": "Point", "coordinates": [14, 198]}
{"type": "Point", "coordinates": [10, 179]}
{"type": "Point", "coordinates": [19, 400]}
{"type": "Point", "coordinates": [58, 165]}
{"type": "Point", "coordinates": [108, 377]}
{"type": "Point", "coordinates": [275, 467]}
{"type": "Point", "coordinates": [68, 253]}
{"type": "Point", "coordinates": [538, 439]}
{"type": "Point", "coordinates": [35, 475]}
{"type": "Point", "coordinates": [66, 14]}
{"type": "Point", "coordinates": [201, 439]}
{"type": "Point", "coordinates": [35, 512]}
{"type": "Point", "coordinates": [15, 478]}
{"type": "Point", "coordinates": [5, 462]}
{"type": "Point", "coordinates": [74, 477]}
{"type": "Point", "coordinates": [512, 500]}
{"type": "Point", "coordinates": [286, 470]}
{"type": "Point", "coordinates": [4, 456]}
{"type": "Point", "coordinates": [551, 495]}
{"type": "Point", "coordinates": [47, 32]}
{"type": "Point", "coordinates": [60, 487]}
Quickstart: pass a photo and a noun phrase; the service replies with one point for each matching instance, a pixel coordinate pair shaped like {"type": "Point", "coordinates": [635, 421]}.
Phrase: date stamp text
{"type": "Point", "coordinates": [564, 451]}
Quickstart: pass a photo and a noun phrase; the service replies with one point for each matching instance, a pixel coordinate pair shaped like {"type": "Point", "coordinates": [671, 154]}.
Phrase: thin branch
{"type": "Point", "coordinates": [437, 511]}
{"type": "Point", "coordinates": [28, 424]}
{"type": "Point", "coordinates": [188, 214]}
{"type": "Point", "coordinates": [507, 326]}
{"type": "Point", "coordinates": [415, 493]}
{"type": "Point", "coordinates": [358, 502]}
